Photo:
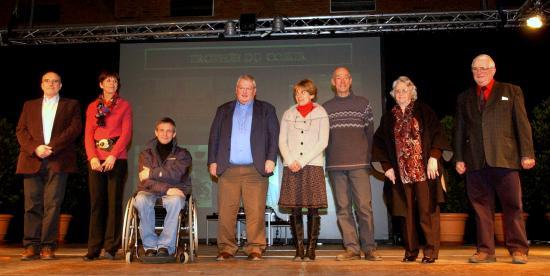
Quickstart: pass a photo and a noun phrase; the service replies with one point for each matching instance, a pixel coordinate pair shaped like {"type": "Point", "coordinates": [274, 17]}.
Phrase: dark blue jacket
{"type": "Point", "coordinates": [174, 172]}
{"type": "Point", "coordinates": [263, 136]}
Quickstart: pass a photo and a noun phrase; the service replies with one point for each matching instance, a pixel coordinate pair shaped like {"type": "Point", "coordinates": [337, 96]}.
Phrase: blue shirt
{"type": "Point", "coordinates": [241, 150]}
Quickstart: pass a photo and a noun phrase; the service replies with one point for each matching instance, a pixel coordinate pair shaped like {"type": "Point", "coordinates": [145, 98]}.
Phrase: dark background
{"type": "Point", "coordinates": [437, 62]}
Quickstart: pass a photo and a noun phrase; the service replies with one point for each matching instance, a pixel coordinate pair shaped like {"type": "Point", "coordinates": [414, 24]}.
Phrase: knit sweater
{"type": "Point", "coordinates": [351, 130]}
{"type": "Point", "coordinates": [304, 139]}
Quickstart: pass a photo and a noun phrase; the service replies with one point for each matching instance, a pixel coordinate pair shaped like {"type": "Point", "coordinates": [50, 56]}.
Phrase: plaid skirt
{"type": "Point", "coordinates": [305, 188]}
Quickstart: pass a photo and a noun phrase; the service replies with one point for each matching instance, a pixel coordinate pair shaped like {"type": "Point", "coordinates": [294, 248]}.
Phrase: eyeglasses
{"type": "Point", "coordinates": [401, 91]}
{"type": "Point", "coordinates": [481, 69]}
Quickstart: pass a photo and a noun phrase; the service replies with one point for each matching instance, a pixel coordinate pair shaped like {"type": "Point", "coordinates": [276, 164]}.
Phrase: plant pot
{"type": "Point", "coordinates": [452, 228]}
{"type": "Point", "coordinates": [4, 223]}
{"type": "Point", "coordinates": [499, 227]}
{"type": "Point", "coordinates": [64, 220]}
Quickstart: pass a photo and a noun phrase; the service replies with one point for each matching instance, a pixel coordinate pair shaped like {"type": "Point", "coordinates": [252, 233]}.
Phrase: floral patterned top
{"type": "Point", "coordinates": [408, 145]}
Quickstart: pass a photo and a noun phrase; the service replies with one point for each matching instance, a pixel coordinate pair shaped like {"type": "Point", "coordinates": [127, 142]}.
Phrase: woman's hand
{"type": "Point", "coordinates": [109, 163]}
{"type": "Point", "coordinates": [95, 164]}
{"type": "Point", "coordinates": [390, 174]}
{"type": "Point", "coordinates": [295, 166]}
{"type": "Point", "coordinates": [432, 168]}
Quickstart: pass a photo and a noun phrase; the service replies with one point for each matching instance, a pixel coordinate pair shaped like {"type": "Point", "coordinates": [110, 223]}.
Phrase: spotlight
{"type": "Point", "coordinates": [229, 29]}
{"type": "Point", "coordinates": [535, 21]}
{"type": "Point", "coordinates": [278, 24]}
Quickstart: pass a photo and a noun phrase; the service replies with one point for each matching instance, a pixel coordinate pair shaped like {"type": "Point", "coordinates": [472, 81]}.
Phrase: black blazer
{"type": "Point", "coordinates": [263, 136]}
{"type": "Point", "coordinates": [500, 135]}
{"type": "Point", "coordinates": [67, 126]}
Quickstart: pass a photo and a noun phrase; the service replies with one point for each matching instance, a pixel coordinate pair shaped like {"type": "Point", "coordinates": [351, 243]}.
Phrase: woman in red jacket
{"type": "Point", "coordinates": [107, 136]}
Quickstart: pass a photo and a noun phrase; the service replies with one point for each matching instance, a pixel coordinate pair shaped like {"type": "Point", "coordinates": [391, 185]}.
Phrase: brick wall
{"type": "Point", "coordinates": [109, 11]}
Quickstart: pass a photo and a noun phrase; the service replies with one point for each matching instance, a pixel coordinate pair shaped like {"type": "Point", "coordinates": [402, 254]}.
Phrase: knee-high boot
{"type": "Point", "coordinates": [297, 229]}
{"type": "Point", "coordinates": [313, 227]}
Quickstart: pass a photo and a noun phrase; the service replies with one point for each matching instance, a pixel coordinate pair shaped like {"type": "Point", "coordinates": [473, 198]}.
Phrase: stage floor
{"type": "Point", "coordinates": [277, 261]}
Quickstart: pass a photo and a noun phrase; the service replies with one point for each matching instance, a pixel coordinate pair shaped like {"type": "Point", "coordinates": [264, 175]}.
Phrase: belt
{"type": "Point", "coordinates": [106, 144]}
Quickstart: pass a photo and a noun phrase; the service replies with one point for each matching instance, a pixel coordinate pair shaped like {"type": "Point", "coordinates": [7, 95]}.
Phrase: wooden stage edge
{"type": "Point", "coordinates": [277, 261]}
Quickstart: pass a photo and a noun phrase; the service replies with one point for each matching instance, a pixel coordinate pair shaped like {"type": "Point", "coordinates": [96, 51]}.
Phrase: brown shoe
{"type": "Point", "coordinates": [47, 253]}
{"type": "Point", "coordinates": [482, 257]}
{"type": "Point", "coordinates": [519, 257]}
{"type": "Point", "coordinates": [371, 255]}
{"type": "Point", "coordinates": [223, 256]}
{"type": "Point", "coordinates": [254, 256]}
{"type": "Point", "coordinates": [348, 256]}
{"type": "Point", "coordinates": [29, 254]}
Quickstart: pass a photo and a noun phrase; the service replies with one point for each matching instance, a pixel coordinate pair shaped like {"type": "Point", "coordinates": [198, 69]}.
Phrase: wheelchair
{"type": "Point", "coordinates": [187, 236]}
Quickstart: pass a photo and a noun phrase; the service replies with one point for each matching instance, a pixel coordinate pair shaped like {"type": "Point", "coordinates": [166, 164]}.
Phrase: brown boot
{"type": "Point", "coordinates": [47, 253]}
{"type": "Point", "coordinates": [297, 229]}
{"type": "Point", "coordinates": [313, 228]}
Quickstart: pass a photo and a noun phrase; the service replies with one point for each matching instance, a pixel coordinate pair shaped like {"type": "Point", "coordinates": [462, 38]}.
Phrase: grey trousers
{"type": "Point", "coordinates": [235, 183]}
{"type": "Point", "coordinates": [44, 193]}
{"type": "Point", "coordinates": [352, 190]}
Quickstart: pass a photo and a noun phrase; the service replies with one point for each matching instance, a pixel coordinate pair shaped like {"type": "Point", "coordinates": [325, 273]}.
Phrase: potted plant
{"type": "Point", "coordinates": [11, 188]}
{"type": "Point", "coordinates": [536, 190]}
{"type": "Point", "coordinates": [454, 211]}
{"type": "Point", "coordinates": [76, 194]}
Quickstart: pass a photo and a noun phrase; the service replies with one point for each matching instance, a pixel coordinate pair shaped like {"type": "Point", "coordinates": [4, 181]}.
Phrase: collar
{"type": "Point", "coordinates": [52, 100]}
{"type": "Point", "coordinates": [488, 88]}
{"type": "Point", "coordinates": [245, 106]}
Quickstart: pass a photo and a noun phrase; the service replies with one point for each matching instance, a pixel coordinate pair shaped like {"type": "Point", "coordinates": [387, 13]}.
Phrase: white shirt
{"type": "Point", "coordinates": [49, 107]}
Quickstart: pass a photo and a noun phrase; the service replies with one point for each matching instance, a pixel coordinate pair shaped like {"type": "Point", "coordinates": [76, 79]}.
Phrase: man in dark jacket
{"type": "Point", "coordinates": [46, 132]}
{"type": "Point", "coordinates": [164, 172]}
{"type": "Point", "coordinates": [492, 142]}
{"type": "Point", "coordinates": [242, 151]}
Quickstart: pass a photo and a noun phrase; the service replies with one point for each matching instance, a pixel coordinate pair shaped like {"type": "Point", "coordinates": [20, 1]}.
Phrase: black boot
{"type": "Point", "coordinates": [297, 229]}
{"type": "Point", "coordinates": [313, 227]}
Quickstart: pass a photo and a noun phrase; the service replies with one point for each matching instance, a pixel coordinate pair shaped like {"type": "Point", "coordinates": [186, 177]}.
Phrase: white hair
{"type": "Point", "coordinates": [410, 85]}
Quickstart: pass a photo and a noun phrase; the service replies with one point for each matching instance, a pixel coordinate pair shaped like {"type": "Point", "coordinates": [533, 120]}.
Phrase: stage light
{"type": "Point", "coordinates": [535, 21]}
{"type": "Point", "coordinates": [229, 29]}
{"type": "Point", "coordinates": [278, 24]}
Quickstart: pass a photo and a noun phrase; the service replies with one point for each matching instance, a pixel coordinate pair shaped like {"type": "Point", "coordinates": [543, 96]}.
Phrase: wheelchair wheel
{"type": "Point", "coordinates": [128, 257]}
{"type": "Point", "coordinates": [127, 230]}
{"type": "Point", "coordinates": [192, 223]}
{"type": "Point", "coordinates": [182, 257]}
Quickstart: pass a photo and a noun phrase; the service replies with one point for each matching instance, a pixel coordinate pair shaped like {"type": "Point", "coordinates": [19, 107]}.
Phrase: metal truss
{"type": "Point", "coordinates": [293, 26]}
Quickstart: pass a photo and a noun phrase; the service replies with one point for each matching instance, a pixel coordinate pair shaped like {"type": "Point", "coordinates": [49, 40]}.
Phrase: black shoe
{"type": "Point", "coordinates": [150, 253]}
{"type": "Point", "coordinates": [163, 252]}
{"type": "Point", "coordinates": [110, 255]}
{"type": "Point", "coordinates": [90, 257]}
{"type": "Point", "coordinates": [428, 260]}
{"type": "Point", "coordinates": [408, 259]}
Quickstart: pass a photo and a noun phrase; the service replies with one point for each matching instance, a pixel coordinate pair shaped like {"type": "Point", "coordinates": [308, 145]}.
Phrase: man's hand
{"type": "Point", "coordinates": [212, 169]}
{"type": "Point", "coordinates": [144, 174]}
{"type": "Point", "coordinates": [175, 192]}
{"type": "Point", "coordinates": [43, 151]}
{"type": "Point", "coordinates": [460, 167]}
{"type": "Point", "coordinates": [432, 168]}
{"type": "Point", "coordinates": [527, 163]}
{"type": "Point", "coordinates": [390, 174]}
{"type": "Point", "coordinates": [269, 166]}
{"type": "Point", "coordinates": [109, 163]}
{"type": "Point", "coordinates": [95, 164]}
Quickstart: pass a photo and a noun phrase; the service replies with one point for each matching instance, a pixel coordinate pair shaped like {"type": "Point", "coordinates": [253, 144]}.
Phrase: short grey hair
{"type": "Point", "coordinates": [410, 85]}
{"type": "Point", "coordinates": [248, 78]}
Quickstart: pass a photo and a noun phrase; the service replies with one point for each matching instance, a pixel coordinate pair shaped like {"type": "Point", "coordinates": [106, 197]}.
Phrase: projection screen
{"type": "Point", "coordinates": [187, 81]}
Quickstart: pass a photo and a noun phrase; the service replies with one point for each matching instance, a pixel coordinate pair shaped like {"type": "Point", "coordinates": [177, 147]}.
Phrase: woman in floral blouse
{"type": "Point", "coordinates": [407, 147]}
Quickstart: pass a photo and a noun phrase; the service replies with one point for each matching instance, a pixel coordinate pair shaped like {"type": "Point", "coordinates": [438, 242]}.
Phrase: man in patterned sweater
{"type": "Point", "coordinates": [348, 158]}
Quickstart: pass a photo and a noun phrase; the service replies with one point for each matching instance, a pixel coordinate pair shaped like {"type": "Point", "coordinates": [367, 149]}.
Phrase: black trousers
{"type": "Point", "coordinates": [420, 210]}
{"type": "Point", "coordinates": [481, 186]}
{"type": "Point", "coordinates": [44, 193]}
{"type": "Point", "coordinates": [106, 191]}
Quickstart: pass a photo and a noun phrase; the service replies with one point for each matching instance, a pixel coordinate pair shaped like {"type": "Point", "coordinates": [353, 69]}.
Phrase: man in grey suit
{"type": "Point", "coordinates": [492, 142]}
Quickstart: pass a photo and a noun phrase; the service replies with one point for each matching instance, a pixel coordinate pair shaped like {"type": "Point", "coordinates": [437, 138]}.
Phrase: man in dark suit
{"type": "Point", "coordinates": [47, 128]}
{"type": "Point", "coordinates": [492, 142]}
{"type": "Point", "coordinates": [242, 151]}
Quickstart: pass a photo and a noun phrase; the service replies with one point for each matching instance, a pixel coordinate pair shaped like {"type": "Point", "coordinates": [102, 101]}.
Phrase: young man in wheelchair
{"type": "Point", "coordinates": [163, 173]}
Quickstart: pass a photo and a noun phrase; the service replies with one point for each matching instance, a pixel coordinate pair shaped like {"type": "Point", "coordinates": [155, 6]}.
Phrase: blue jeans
{"type": "Point", "coordinates": [145, 204]}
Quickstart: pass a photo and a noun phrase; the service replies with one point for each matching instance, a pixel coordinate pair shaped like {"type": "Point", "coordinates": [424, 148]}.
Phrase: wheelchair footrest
{"type": "Point", "coordinates": [158, 260]}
